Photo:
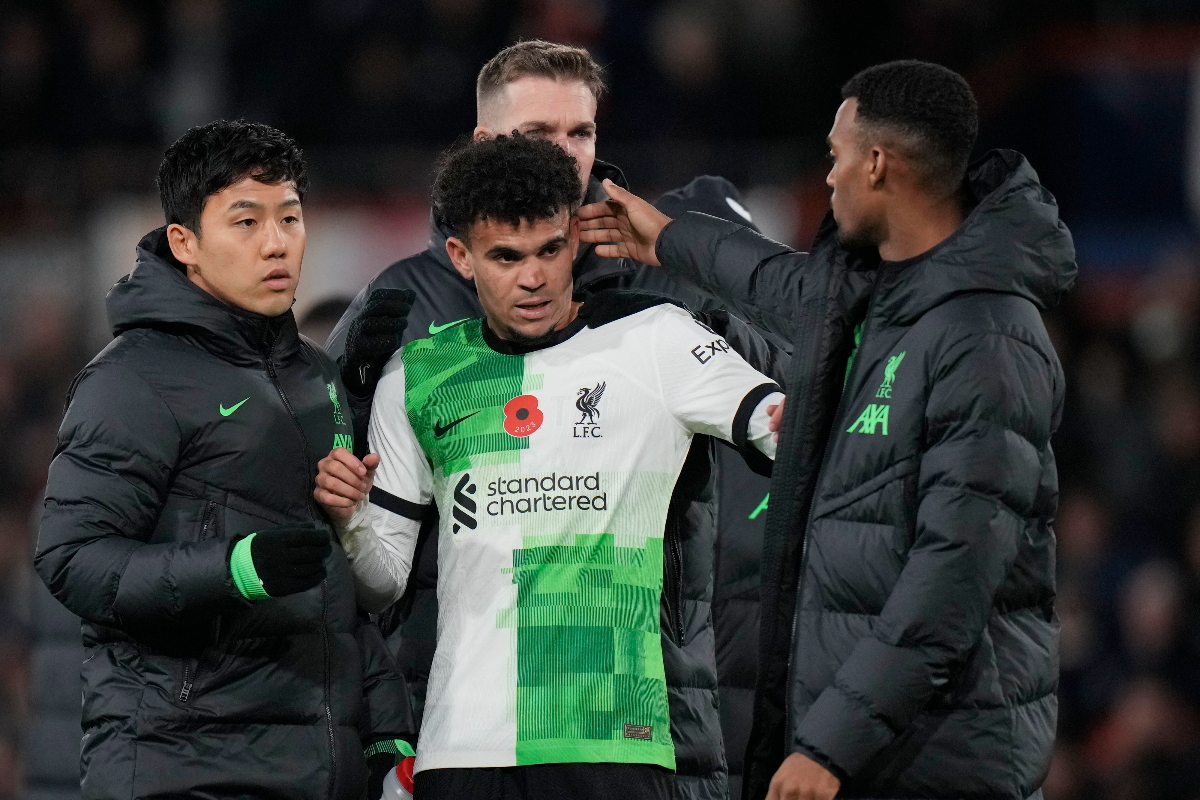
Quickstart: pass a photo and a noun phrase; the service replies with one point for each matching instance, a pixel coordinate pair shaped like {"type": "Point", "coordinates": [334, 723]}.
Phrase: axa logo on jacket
{"type": "Point", "coordinates": [875, 415]}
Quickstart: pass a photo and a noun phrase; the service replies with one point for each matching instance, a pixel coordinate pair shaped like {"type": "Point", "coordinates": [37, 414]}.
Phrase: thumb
{"type": "Point", "coordinates": [371, 461]}
{"type": "Point", "coordinates": [616, 192]}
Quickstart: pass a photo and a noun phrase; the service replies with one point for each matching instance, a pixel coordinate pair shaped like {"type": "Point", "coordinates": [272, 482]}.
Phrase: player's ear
{"type": "Point", "coordinates": [482, 132]}
{"type": "Point", "coordinates": [184, 244]}
{"type": "Point", "coordinates": [460, 257]}
{"type": "Point", "coordinates": [574, 237]}
{"type": "Point", "coordinates": [877, 167]}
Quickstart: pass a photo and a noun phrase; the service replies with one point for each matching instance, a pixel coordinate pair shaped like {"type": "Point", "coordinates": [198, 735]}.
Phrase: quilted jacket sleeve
{"type": "Point", "coordinates": [990, 413]}
{"type": "Point", "coordinates": [108, 482]}
{"type": "Point", "coordinates": [756, 278]}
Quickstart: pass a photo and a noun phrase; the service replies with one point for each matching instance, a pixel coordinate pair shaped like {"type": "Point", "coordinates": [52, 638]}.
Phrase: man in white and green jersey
{"type": "Point", "coordinates": [550, 434]}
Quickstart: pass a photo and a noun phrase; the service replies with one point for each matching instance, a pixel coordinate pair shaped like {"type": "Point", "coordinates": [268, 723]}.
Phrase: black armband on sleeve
{"type": "Point", "coordinates": [398, 505]}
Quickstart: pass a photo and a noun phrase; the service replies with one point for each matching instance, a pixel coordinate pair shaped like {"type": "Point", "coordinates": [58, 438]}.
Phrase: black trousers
{"type": "Point", "coordinates": [547, 782]}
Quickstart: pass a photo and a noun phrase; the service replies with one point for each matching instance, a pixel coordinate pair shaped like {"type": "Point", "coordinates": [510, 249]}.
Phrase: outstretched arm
{"type": "Point", "coordinates": [753, 276]}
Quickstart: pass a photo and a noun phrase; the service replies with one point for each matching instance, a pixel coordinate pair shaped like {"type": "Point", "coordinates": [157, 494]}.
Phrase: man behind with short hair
{"type": "Point", "coordinates": [551, 91]}
{"type": "Point", "coordinates": [909, 639]}
{"type": "Point", "coordinates": [225, 654]}
{"type": "Point", "coordinates": [551, 434]}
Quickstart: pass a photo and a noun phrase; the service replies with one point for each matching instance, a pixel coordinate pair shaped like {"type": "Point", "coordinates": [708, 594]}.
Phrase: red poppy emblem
{"type": "Point", "coordinates": [522, 416]}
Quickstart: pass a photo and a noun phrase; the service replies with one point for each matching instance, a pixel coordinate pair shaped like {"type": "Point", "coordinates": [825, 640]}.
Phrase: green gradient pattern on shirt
{"type": "Point", "coordinates": [454, 374]}
{"type": "Point", "coordinates": [589, 652]}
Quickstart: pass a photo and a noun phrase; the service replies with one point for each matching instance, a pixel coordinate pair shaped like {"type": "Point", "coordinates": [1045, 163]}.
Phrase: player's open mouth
{"type": "Point", "coordinates": [278, 279]}
{"type": "Point", "coordinates": [533, 309]}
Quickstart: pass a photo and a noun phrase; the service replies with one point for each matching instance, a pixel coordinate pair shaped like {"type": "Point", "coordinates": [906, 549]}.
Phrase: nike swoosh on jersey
{"type": "Point", "coordinates": [225, 412]}
{"type": "Point", "coordinates": [436, 329]}
{"type": "Point", "coordinates": [439, 430]}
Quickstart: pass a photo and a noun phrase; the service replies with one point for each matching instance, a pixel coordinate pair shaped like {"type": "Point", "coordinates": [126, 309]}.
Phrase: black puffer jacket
{"type": "Point", "coordinates": [706, 504]}
{"type": "Point", "coordinates": [188, 689]}
{"type": "Point", "coordinates": [916, 656]}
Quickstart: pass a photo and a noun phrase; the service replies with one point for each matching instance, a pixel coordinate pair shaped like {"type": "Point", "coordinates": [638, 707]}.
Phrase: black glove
{"type": "Point", "coordinates": [290, 558]}
{"type": "Point", "coordinates": [375, 334]}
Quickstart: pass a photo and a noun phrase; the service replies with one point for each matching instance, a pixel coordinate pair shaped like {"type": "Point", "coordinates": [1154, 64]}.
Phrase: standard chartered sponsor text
{"type": "Point", "coordinates": [551, 492]}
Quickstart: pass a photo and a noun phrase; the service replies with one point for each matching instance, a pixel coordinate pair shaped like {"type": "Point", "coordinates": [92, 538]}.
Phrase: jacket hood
{"type": "Point", "coordinates": [157, 294]}
{"type": "Point", "coordinates": [589, 268]}
{"type": "Point", "coordinates": [1012, 241]}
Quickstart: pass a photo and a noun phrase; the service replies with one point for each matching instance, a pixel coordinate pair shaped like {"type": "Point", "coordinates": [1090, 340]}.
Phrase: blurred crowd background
{"type": "Point", "coordinates": [1102, 95]}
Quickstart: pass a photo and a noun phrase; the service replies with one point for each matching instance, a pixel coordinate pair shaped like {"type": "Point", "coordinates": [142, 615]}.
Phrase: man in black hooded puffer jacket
{"type": "Point", "coordinates": [908, 645]}
{"type": "Point", "coordinates": [225, 656]}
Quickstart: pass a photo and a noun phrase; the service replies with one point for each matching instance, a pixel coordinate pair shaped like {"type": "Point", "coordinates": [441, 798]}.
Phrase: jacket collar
{"type": "Point", "coordinates": [157, 294]}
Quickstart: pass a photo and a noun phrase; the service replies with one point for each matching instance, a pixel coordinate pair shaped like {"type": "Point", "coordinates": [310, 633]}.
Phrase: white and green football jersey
{"type": "Point", "coordinates": [552, 471]}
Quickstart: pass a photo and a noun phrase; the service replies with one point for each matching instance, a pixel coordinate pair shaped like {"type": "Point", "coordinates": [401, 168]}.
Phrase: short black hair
{"type": "Point", "coordinates": [929, 111]}
{"type": "Point", "coordinates": [504, 179]}
{"type": "Point", "coordinates": [210, 158]}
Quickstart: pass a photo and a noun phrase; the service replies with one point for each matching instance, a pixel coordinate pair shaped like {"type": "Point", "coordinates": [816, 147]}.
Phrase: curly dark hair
{"type": "Point", "coordinates": [925, 110]}
{"type": "Point", "coordinates": [504, 179]}
{"type": "Point", "coordinates": [210, 158]}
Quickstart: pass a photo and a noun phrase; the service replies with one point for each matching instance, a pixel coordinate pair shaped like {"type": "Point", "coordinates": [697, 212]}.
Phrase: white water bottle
{"type": "Point", "coordinates": [398, 785]}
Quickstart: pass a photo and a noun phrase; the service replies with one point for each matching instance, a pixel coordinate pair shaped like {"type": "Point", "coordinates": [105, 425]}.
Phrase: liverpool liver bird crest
{"type": "Point", "coordinates": [587, 404]}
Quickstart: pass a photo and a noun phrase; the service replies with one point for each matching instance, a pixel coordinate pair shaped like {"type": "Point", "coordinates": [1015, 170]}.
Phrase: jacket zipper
{"type": "Point", "coordinates": [837, 416]}
{"type": "Point", "coordinates": [291, 412]}
{"type": "Point", "coordinates": [189, 672]}
{"type": "Point", "coordinates": [676, 590]}
{"type": "Point", "coordinates": [324, 583]}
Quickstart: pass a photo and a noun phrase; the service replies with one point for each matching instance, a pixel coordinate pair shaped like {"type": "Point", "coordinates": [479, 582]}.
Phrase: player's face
{"type": "Point", "coordinates": [250, 246]}
{"type": "Point", "coordinates": [522, 274]}
{"type": "Point", "coordinates": [562, 111]}
{"type": "Point", "coordinates": [855, 203]}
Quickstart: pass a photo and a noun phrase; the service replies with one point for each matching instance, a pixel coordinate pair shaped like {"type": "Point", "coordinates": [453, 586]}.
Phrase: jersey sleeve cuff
{"type": "Point", "coordinates": [741, 424]}
{"type": "Point", "coordinates": [741, 420]}
{"type": "Point", "coordinates": [398, 505]}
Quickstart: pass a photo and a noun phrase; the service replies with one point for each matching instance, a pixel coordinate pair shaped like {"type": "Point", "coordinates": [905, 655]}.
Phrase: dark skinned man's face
{"type": "Point", "coordinates": [522, 273]}
{"type": "Point", "coordinates": [857, 206]}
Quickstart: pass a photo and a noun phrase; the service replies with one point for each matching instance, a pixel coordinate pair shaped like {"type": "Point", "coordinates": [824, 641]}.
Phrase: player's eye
{"type": "Point", "coordinates": [291, 220]}
{"type": "Point", "coordinates": [832, 158]}
{"type": "Point", "coordinates": [244, 223]}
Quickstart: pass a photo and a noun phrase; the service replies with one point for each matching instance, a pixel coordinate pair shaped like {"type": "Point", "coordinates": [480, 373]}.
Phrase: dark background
{"type": "Point", "coordinates": [1103, 97]}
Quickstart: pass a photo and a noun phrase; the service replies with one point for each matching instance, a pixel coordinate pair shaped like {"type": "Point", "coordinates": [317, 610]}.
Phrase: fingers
{"type": "Point", "coordinates": [338, 495]}
{"type": "Point", "coordinates": [342, 480]}
{"type": "Point", "coordinates": [593, 223]}
{"type": "Point", "coordinates": [371, 462]}
{"type": "Point", "coordinates": [617, 193]}
{"type": "Point", "coordinates": [776, 414]}
{"type": "Point", "coordinates": [594, 211]}
{"type": "Point", "coordinates": [343, 456]}
{"type": "Point", "coordinates": [389, 302]}
{"type": "Point", "coordinates": [345, 486]}
{"type": "Point", "coordinates": [600, 235]}
{"type": "Point", "coordinates": [339, 508]}
{"type": "Point", "coordinates": [612, 251]}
